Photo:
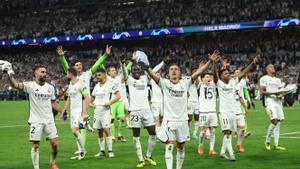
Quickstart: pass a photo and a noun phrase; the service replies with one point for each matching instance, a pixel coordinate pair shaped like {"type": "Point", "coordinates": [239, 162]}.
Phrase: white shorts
{"type": "Point", "coordinates": [193, 108]}
{"type": "Point", "coordinates": [240, 120]}
{"type": "Point", "coordinates": [228, 121]}
{"type": "Point", "coordinates": [156, 109]}
{"type": "Point", "coordinates": [74, 121]}
{"type": "Point", "coordinates": [137, 118]}
{"type": "Point", "coordinates": [102, 120]}
{"type": "Point", "coordinates": [208, 119]}
{"type": "Point", "coordinates": [174, 131]}
{"type": "Point", "coordinates": [275, 112]}
{"type": "Point", "coordinates": [37, 129]}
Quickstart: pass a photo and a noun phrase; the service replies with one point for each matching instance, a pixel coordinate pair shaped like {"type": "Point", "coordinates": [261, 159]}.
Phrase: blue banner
{"type": "Point", "coordinates": [157, 32]}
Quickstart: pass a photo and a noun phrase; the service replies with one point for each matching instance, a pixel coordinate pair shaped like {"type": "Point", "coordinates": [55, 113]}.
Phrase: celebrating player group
{"type": "Point", "coordinates": [162, 100]}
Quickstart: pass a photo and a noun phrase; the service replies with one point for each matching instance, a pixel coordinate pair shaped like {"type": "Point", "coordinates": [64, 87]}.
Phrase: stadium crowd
{"type": "Point", "coordinates": [33, 19]}
{"type": "Point", "coordinates": [279, 47]}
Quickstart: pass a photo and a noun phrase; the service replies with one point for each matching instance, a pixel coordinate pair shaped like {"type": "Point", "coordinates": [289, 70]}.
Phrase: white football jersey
{"type": "Point", "coordinates": [120, 85]}
{"type": "Point", "coordinates": [228, 95]}
{"type": "Point", "coordinates": [85, 77]}
{"type": "Point", "coordinates": [156, 95]}
{"type": "Point", "coordinates": [272, 84]}
{"type": "Point", "coordinates": [103, 93]}
{"type": "Point", "coordinates": [193, 96]}
{"type": "Point", "coordinates": [207, 97]}
{"type": "Point", "coordinates": [238, 94]}
{"type": "Point", "coordinates": [138, 93]}
{"type": "Point", "coordinates": [76, 96]}
{"type": "Point", "coordinates": [175, 97]}
{"type": "Point", "coordinates": [40, 106]}
{"type": "Point", "coordinates": [242, 84]}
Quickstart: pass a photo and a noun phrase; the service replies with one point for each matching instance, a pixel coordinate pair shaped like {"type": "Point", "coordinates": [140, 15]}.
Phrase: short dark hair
{"type": "Point", "coordinates": [101, 70]}
{"type": "Point", "coordinates": [72, 71]}
{"type": "Point", "coordinates": [206, 73]}
{"type": "Point", "coordinates": [37, 66]}
{"type": "Point", "coordinates": [74, 62]}
{"type": "Point", "coordinates": [173, 64]}
{"type": "Point", "coordinates": [222, 71]}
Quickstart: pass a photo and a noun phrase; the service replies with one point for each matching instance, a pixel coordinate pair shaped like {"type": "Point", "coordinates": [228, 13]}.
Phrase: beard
{"type": "Point", "coordinates": [42, 79]}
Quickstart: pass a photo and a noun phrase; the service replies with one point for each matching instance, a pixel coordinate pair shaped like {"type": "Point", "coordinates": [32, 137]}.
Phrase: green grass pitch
{"type": "Point", "coordinates": [15, 147]}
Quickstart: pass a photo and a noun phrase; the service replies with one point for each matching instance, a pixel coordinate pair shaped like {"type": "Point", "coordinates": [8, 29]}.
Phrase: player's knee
{"type": "Point", "coordinates": [274, 121]}
{"type": "Point", "coordinates": [180, 145]}
{"type": "Point", "coordinates": [136, 132]}
{"type": "Point", "coordinates": [35, 145]}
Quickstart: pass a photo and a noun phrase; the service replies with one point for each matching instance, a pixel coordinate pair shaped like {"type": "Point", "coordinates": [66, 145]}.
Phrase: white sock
{"type": "Point", "coordinates": [207, 133]}
{"type": "Point", "coordinates": [269, 132]}
{"type": "Point", "coordinates": [276, 134]}
{"type": "Point", "coordinates": [136, 141]}
{"type": "Point", "coordinates": [229, 144]}
{"type": "Point", "coordinates": [212, 141]}
{"type": "Point", "coordinates": [151, 144]}
{"type": "Point", "coordinates": [80, 142]}
{"type": "Point", "coordinates": [201, 138]}
{"type": "Point", "coordinates": [179, 158]}
{"type": "Point", "coordinates": [241, 136]}
{"type": "Point", "coordinates": [169, 156]}
{"type": "Point", "coordinates": [35, 158]}
{"type": "Point", "coordinates": [224, 145]}
{"type": "Point", "coordinates": [101, 144]}
{"type": "Point", "coordinates": [196, 126]}
{"type": "Point", "coordinates": [109, 143]}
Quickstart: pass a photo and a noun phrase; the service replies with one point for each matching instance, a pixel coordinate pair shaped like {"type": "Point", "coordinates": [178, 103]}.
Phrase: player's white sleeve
{"type": "Point", "coordinates": [188, 82]}
{"type": "Point", "coordinates": [89, 73]}
{"type": "Point", "coordinates": [161, 82]}
{"type": "Point", "coordinates": [262, 81]}
{"type": "Point", "coordinates": [114, 88]}
{"type": "Point", "coordinates": [26, 87]}
{"type": "Point", "coordinates": [93, 92]}
{"type": "Point", "coordinates": [53, 97]}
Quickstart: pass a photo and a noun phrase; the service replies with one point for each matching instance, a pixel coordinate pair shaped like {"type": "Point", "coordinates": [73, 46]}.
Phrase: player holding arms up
{"type": "Point", "coordinates": [208, 113]}
{"type": "Point", "coordinates": [227, 97]}
{"type": "Point", "coordinates": [105, 94]}
{"type": "Point", "coordinates": [175, 121]}
{"type": "Point", "coordinates": [41, 119]}
{"type": "Point", "coordinates": [140, 112]}
{"type": "Point", "coordinates": [84, 76]}
{"type": "Point", "coordinates": [78, 101]}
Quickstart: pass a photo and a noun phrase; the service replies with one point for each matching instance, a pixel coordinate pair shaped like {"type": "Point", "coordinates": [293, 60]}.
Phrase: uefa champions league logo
{"type": "Point", "coordinates": [160, 32]}
{"type": "Point", "coordinates": [18, 42]}
{"type": "Point", "coordinates": [52, 39]}
{"type": "Point", "coordinates": [85, 37]}
{"type": "Point", "coordinates": [121, 35]}
{"type": "Point", "coordinates": [288, 22]}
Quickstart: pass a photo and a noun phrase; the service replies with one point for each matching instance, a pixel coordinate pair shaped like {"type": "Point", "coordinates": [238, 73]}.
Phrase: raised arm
{"type": "Point", "coordinates": [215, 72]}
{"type": "Point", "coordinates": [214, 57]}
{"type": "Point", "coordinates": [101, 59]}
{"type": "Point", "coordinates": [14, 83]}
{"type": "Point", "coordinates": [62, 59]}
{"type": "Point", "coordinates": [152, 75]}
{"type": "Point", "coordinates": [249, 67]}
